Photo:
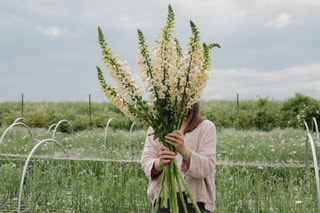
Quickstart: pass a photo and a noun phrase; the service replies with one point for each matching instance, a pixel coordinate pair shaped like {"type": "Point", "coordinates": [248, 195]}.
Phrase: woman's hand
{"type": "Point", "coordinates": [165, 155]}
{"type": "Point", "coordinates": [176, 139]}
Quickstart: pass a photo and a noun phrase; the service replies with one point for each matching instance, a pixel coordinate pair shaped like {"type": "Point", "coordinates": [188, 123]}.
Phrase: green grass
{"type": "Point", "coordinates": [120, 185]}
{"type": "Point", "coordinates": [277, 146]}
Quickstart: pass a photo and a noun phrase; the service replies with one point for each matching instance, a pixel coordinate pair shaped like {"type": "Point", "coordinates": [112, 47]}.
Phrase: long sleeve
{"type": "Point", "coordinates": [150, 153]}
{"type": "Point", "coordinates": [203, 151]}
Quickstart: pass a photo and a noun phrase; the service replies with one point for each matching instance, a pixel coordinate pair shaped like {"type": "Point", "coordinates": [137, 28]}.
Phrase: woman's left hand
{"type": "Point", "coordinates": [176, 139]}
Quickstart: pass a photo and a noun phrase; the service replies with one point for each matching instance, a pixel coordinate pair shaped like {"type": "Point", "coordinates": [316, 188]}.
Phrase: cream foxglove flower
{"type": "Point", "coordinates": [172, 82]}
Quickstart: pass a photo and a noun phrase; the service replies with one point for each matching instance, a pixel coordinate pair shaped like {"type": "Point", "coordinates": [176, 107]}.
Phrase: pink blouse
{"type": "Point", "coordinates": [199, 175]}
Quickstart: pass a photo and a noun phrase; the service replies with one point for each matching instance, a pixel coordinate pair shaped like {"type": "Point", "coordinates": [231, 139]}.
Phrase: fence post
{"type": "Point", "coordinates": [22, 104]}
{"type": "Point", "coordinates": [90, 110]}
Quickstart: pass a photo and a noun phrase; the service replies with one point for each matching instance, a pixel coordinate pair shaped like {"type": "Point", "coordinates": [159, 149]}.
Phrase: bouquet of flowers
{"type": "Point", "coordinates": [171, 83]}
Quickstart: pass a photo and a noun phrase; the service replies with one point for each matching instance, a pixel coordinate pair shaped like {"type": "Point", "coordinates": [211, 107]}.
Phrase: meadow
{"type": "Point", "coordinates": [256, 171]}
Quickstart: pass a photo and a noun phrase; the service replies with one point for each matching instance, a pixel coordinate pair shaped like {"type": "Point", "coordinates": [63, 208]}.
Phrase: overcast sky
{"type": "Point", "coordinates": [49, 48]}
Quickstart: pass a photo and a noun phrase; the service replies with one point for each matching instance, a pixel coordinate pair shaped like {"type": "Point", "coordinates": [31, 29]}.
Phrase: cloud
{"type": "Point", "coordinates": [283, 20]}
{"type": "Point", "coordinates": [52, 31]}
{"type": "Point", "coordinates": [47, 38]}
{"type": "Point", "coordinates": [296, 3]}
{"type": "Point", "coordinates": [276, 84]}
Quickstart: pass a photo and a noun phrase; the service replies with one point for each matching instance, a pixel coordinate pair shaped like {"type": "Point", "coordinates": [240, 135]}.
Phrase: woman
{"type": "Point", "coordinates": [196, 155]}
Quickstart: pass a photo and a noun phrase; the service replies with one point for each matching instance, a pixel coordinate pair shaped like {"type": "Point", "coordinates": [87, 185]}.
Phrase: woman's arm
{"type": "Point", "coordinates": [149, 154]}
{"type": "Point", "coordinates": [155, 157]}
{"type": "Point", "coordinates": [202, 162]}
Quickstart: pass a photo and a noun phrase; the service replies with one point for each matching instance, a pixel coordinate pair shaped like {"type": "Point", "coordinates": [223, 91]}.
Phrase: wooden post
{"type": "Point", "coordinates": [90, 110]}
{"type": "Point", "coordinates": [22, 104]}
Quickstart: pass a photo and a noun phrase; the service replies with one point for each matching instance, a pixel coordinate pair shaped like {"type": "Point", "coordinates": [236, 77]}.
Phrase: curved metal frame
{"type": "Point", "coordinates": [316, 125]}
{"type": "Point", "coordinates": [50, 127]}
{"type": "Point", "coordinates": [55, 129]}
{"type": "Point", "coordinates": [315, 163]}
{"type": "Point", "coordinates": [106, 131]}
{"type": "Point", "coordinates": [18, 119]}
{"type": "Point", "coordinates": [316, 169]}
{"type": "Point", "coordinates": [27, 162]}
{"type": "Point", "coordinates": [12, 125]}
{"type": "Point", "coordinates": [15, 121]}
{"type": "Point", "coordinates": [306, 143]}
{"type": "Point", "coordinates": [132, 125]}
{"type": "Point", "coordinates": [132, 145]}
{"type": "Point", "coordinates": [306, 125]}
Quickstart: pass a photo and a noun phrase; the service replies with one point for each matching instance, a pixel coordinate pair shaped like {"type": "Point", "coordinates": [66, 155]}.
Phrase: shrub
{"type": "Point", "coordinates": [261, 114]}
{"type": "Point", "coordinates": [243, 121]}
{"type": "Point", "coordinates": [298, 109]}
{"type": "Point", "coordinates": [262, 118]}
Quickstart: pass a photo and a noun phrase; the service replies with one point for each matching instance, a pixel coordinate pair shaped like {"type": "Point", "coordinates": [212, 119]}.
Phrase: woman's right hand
{"type": "Point", "coordinates": [165, 156]}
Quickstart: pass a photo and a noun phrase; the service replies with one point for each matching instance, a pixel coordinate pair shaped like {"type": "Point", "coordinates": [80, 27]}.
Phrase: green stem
{"type": "Point", "coordinates": [173, 186]}
{"type": "Point", "coordinates": [188, 191]}
{"type": "Point", "coordinates": [180, 192]}
{"type": "Point", "coordinates": [159, 194]}
{"type": "Point", "coordinates": [164, 200]}
{"type": "Point", "coordinates": [170, 177]}
{"type": "Point", "coordinates": [171, 196]}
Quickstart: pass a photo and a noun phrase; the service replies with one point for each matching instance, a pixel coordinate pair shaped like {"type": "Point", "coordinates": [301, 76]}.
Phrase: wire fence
{"type": "Point", "coordinates": [258, 164]}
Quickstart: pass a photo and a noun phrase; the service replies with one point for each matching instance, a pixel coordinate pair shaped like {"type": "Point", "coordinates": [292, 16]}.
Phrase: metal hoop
{"type": "Point", "coordinates": [27, 162]}
{"type": "Point", "coordinates": [106, 131]}
{"type": "Point", "coordinates": [15, 124]}
{"type": "Point", "coordinates": [55, 129]}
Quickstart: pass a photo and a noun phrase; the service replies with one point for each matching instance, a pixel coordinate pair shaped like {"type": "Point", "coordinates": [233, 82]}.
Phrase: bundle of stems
{"type": "Point", "coordinates": [170, 181]}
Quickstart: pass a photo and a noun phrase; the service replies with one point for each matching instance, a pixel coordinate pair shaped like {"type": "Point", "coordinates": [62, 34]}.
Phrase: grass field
{"type": "Point", "coordinates": [255, 172]}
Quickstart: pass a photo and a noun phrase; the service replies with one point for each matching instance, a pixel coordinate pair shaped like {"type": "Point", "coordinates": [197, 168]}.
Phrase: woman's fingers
{"type": "Point", "coordinates": [165, 151]}
{"type": "Point", "coordinates": [166, 154]}
{"type": "Point", "coordinates": [166, 160]}
{"type": "Point", "coordinates": [174, 137]}
{"type": "Point", "coordinates": [163, 148]}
